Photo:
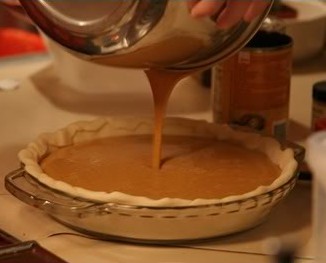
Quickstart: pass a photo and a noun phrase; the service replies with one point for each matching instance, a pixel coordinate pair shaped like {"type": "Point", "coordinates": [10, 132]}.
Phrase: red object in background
{"type": "Point", "coordinates": [17, 42]}
{"type": "Point", "coordinates": [320, 124]}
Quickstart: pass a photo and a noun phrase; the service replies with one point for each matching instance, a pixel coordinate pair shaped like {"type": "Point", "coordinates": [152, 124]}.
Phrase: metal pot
{"type": "Point", "coordinates": [138, 33]}
{"type": "Point", "coordinates": [308, 29]}
{"type": "Point", "coordinates": [305, 23]}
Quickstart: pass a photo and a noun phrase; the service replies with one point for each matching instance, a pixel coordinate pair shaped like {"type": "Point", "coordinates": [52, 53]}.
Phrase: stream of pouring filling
{"type": "Point", "coordinates": [161, 81]}
{"type": "Point", "coordinates": [162, 84]}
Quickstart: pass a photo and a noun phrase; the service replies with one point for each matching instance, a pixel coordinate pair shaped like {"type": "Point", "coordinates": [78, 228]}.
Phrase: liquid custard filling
{"type": "Point", "coordinates": [191, 167]}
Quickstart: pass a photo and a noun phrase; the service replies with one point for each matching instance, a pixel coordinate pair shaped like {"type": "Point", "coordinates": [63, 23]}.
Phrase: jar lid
{"type": "Point", "coordinates": [319, 91]}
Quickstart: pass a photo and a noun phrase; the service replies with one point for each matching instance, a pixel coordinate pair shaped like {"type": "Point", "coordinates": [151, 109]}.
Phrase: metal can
{"type": "Point", "coordinates": [252, 87]}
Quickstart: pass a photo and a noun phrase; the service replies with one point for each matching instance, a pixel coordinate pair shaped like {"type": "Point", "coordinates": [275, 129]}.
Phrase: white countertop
{"type": "Point", "coordinates": [42, 103]}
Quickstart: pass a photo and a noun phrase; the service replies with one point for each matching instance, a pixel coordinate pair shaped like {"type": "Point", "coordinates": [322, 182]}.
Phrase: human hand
{"type": "Point", "coordinates": [231, 11]}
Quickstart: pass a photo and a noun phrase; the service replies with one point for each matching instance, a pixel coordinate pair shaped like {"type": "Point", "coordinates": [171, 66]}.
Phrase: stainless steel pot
{"type": "Point", "coordinates": [138, 33]}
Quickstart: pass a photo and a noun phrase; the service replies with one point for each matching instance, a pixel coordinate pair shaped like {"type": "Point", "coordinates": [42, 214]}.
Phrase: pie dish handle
{"type": "Point", "coordinates": [298, 150]}
{"type": "Point", "coordinates": [26, 189]}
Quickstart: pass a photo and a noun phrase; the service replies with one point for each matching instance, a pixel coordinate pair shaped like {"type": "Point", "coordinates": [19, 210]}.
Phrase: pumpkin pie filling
{"type": "Point", "coordinates": [192, 167]}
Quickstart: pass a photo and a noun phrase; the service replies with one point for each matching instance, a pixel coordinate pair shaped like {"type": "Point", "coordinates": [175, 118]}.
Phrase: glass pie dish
{"type": "Point", "coordinates": [149, 222]}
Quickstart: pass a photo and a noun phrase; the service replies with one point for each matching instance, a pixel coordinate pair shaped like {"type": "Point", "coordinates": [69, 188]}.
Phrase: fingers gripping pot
{"type": "Point", "coordinates": [139, 33]}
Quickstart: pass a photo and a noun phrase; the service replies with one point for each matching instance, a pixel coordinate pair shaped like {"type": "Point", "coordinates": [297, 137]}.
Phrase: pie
{"type": "Point", "coordinates": [109, 160]}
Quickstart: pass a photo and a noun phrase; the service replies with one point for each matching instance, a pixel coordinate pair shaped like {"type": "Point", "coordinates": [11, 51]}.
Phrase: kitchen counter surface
{"type": "Point", "coordinates": [42, 102]}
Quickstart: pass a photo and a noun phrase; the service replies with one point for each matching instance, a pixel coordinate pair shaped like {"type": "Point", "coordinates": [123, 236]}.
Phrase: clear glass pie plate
{"type": "Point", "coordinates": [155, 221]}
{"type": "Point", "coordinates": [146, 224]}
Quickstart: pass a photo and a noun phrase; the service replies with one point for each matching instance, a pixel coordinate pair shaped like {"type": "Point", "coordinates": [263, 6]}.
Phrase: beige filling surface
{"type": "Point", "coordinates": [191, 167]}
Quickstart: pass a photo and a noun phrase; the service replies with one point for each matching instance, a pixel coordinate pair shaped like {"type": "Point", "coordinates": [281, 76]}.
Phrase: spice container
{"type": "Point", "coordinates": [251, 88]}
{"type": "Point", "coordinates": [319, 106]}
